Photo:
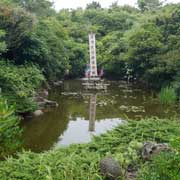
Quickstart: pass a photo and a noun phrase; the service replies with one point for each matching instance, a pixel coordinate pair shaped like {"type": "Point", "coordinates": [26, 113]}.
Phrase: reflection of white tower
{"type": "Point", "coordinates": [92, 112]}
{"type": "Point", "coordinates": [92, 52]}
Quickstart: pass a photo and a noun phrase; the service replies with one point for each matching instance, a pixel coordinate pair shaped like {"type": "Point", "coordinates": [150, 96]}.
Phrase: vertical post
{"type": "Point", "coordinates": [92, 52]}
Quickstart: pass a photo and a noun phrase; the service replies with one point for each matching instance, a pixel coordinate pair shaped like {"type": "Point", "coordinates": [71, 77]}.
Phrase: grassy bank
{"type": "Point", "coordinates": [81, 162]}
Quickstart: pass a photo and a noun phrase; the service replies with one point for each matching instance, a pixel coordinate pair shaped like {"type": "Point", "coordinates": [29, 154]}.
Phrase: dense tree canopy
{"type": "Point", "coordinates": [143, 42]}
{"type": "Point", "coordinates": [148, 4]}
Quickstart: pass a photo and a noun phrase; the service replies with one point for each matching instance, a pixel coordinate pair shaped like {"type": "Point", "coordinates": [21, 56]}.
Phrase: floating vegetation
{"type": "Point", "coordinates": [127, 90]}
{"type": "Point", "coordinates": [132, 108]}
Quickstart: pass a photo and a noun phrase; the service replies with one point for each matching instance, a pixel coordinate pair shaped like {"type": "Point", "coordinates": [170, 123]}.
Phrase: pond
{"type": "Point", "coordinates": [82, 114]}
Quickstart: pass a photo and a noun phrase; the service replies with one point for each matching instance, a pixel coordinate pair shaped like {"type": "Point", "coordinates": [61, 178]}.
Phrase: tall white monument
{"type": "Point", "coordinates": [92, 52]}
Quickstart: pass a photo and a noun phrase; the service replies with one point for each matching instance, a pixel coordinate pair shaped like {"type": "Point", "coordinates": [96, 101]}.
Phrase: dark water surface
{"type": "Point", "coordinates": [82, 114]}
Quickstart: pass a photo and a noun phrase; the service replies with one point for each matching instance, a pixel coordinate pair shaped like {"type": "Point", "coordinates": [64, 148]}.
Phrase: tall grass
{"type": "Point", "coordinates": [167, 95]}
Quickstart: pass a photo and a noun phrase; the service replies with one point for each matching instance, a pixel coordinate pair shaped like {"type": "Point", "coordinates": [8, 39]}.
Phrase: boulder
{"type": "Point", "coordinates": [110, 168]}
{"type": "Point", "coordinates": [37, 113]}
{"type": "Point", "coordinates": [152, 148]}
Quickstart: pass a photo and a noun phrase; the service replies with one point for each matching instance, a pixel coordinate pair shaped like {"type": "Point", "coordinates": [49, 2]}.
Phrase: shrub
{"type": "Point", "coordinates": [9, 129]}
{"type": "Point", "coordinates": [19, 83]}
{"type": "Point", "coordinates": [167, 95]}
{"type": "Point", "coordinates": [164, 166]}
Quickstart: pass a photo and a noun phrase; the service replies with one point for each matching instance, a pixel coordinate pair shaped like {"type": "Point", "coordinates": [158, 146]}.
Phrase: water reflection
{"type": "Point", "coordinates": [78, 132]}
{"type": "Point", "coordinates": [82, 114]}
{"type": "Point", "coordinates": [92, 112]}
{"type": "Point", "coordinates": [81, 130]}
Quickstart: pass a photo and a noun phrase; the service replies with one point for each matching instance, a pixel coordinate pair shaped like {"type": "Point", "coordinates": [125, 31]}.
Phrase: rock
{"type": "Point", "coordinates": [39, 99]}
{"type": "Point", "coordinates": [43, 93]}
{"type": "Point", "coordinates": [152, 148]}
{"type": "Point", "coordinates": [49, 103]}
{"type": "Point", "coordinates": [57, 83]}
{"type": "Point", "coordinates": [37, 113]}
{"type": "Point", "coordinates": [110, 168]}
{"type": "Point", "coordinates": [44, 103]}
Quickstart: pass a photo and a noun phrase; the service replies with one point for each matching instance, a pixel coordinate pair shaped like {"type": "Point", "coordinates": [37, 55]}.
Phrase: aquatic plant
{"type": "Point", "coordinates": [167, 95]}
{"type": "Point", "coordinates": [81, 162]}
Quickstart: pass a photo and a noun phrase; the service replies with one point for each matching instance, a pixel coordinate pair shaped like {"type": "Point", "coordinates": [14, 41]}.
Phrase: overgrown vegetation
{"type": "Point", "coordinates": [37, 43]}
{"type": "Point", "coordinates": [81, 162]}
{"type": "Point", "coordinates": [162, 166]}
{"type": "Point", "coordinates": [130, 41]}
{"type": "Point", "coordinates": [18, 84]}
{"type": "Point", "coordinates": [10, 131]}
{"type": "Point", "coordinates": [127, 38]}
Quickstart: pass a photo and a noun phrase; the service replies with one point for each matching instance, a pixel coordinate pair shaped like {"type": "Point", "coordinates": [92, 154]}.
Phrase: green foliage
{"type": "Point", "coordinates": [2, 42]}
{"type": "Point", "coordinates": [19, 84]}
{"type": "Point", "coordinates": [17, 23]}
{"type": "Point", "coordinates": [143, 42]}
{"type": "Point", "coordinates": [39, 7]}
{"type": "Point", "coordinates": [146, 43]}
{"type": "Point", "coordinates": [81, 162]}
{"type": "Point", "coordinates": [148, 4]}
{"type": "Point", "coordinates": [94, 5]}
{"type": "Point", "coordinates": [10, 132]}
{"type": "Point", "coordinates": [163, 166]}
{"type": "Point", "coordinates": [46, 47]}
{"type": "Point", "coordinates": [167, 95]}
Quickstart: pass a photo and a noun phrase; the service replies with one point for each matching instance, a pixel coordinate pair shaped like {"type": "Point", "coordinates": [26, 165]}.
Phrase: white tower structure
{"type": "Point", "coordinates": [92, 52]}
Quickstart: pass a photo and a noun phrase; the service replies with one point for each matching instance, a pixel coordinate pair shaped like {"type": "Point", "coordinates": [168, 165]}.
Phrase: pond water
{"type": "Point", "coordinates": [82, 114]}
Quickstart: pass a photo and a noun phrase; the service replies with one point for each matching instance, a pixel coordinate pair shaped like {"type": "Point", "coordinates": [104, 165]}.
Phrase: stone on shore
{"type": "Point", "coordinates": [152, 148]}
{"type": "Point", "coordinates": [37, 113]}
{"type": "Point", "coordinates": [110, 168]}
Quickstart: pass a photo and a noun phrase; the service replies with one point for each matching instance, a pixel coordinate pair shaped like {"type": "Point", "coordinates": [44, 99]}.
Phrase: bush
{"type": "Point", "coordinates": [164, 166]}
{"type": "Point", "coordinates": [9, 129]}
{"type": "Point", "coordinates": [18, 84]}
{"type": "Point", "coordinates": [167, 95]}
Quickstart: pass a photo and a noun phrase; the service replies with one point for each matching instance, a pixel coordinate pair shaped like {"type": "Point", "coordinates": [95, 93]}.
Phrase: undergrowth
{"type": "Point", "coordinates": [81, 162]}
{"type": "Point", "coordinates": [10, 131]}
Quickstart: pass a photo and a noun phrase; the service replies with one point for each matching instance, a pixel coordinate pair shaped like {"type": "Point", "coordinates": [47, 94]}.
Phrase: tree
{"type": "Point", "coordinates": [148, 4]}
{"type": "Point", "coordinates": [39, 7]}
{"type": "Point", "coordinates": [17, 23]}
{"type": "Point", "coordinates": [46, 47]}
{"type": "Point", "coordinates": [94, 5]}
{"type": "Point", "coordinates": [144, 43]}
